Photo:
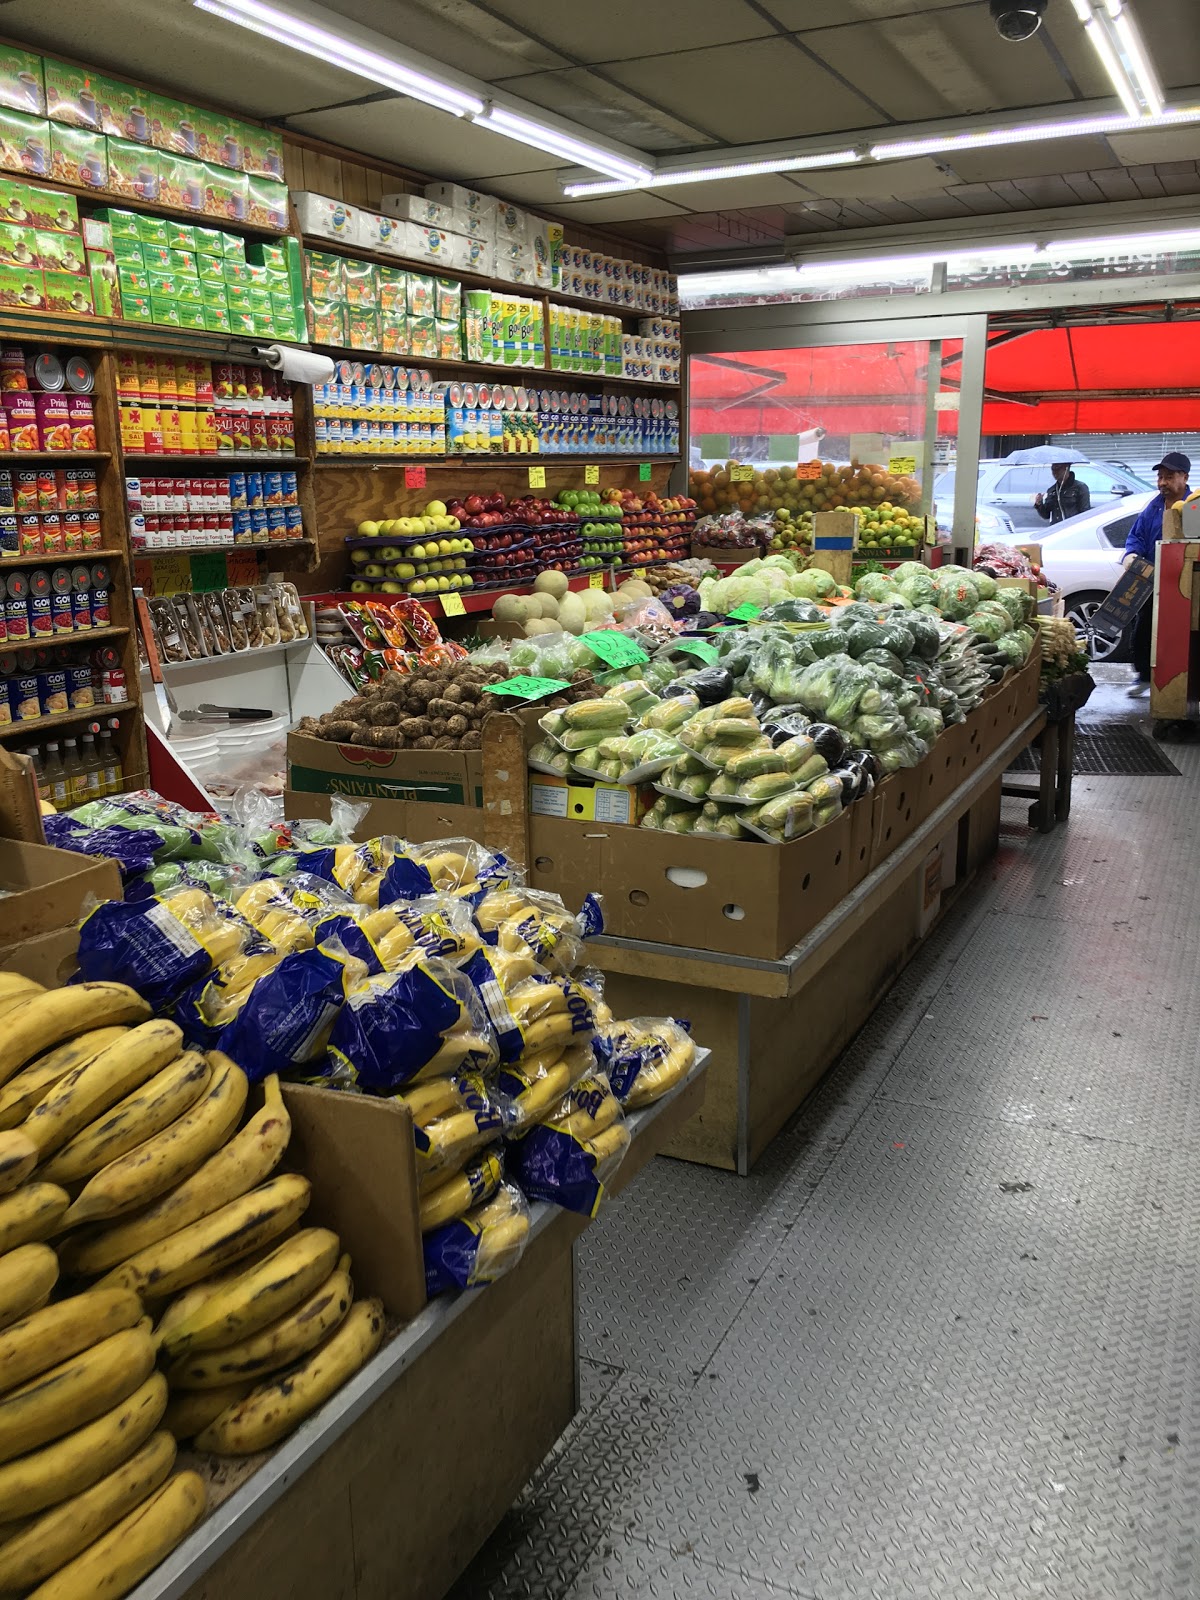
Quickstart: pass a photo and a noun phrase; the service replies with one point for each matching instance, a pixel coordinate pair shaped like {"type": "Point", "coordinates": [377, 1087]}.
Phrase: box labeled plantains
{"type": "Point", "coordinates": [415, 820]}
{"type": "Point", "coordinates": [440, 777]}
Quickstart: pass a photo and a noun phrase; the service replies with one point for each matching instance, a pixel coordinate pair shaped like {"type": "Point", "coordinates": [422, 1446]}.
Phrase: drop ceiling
{"type": "Point", "coordinates": [689, 76]}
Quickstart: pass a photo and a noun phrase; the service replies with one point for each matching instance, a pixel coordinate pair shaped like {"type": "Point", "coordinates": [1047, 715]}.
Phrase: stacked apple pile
{"type": "Point", "coordinates": [650, 528]}
{"type": "Point", "coordinates": [516, 539]}
{"type": "Point", "coordinates": [417, 555]}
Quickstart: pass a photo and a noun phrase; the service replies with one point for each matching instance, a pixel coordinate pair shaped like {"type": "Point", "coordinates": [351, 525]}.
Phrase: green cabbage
{"type": "Point", "coordinates": [956, 594]}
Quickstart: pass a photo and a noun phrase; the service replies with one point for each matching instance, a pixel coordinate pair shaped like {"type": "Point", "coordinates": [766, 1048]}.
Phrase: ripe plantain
{"type": "Point", "coordinates": [76, 1391]}
{"type": "Point", "coordinates": [18, 1157]}
{"type": "Point", "coordinates": [90, 1090]}
{"type": "Point", "coordinates": [30, 1213]}
{"type": "Point", "coordinates": [189, 1411]}
{"type": "Point", "coordinates": [142, 1114]}
{"type": "Point", "coordinates": [47, 1019]}
{"type": "Point", "coordinates": [272, 1410]}
{"type": "Point", "coordinates": [48, 1337]}
{"type": "Point", "coordinates": [27, 1275]}
{"type": "Point", "coordinates": [33, 1083]}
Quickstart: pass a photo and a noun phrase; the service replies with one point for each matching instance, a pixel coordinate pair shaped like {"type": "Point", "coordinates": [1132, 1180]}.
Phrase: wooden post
{"type": "Point", "coordinates": [835, 539]}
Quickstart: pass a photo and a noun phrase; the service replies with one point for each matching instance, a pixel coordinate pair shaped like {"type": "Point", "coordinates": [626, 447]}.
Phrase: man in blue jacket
{"type": "Point", "coordinates": [1172, 472]}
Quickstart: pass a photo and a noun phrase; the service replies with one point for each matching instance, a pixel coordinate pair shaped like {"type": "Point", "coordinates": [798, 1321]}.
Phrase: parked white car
{"type": "Point", "coordinates": [1083, 557]}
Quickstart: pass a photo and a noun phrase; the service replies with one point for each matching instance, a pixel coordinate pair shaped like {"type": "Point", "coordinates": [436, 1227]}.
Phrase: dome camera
{"type": "Point", "coordinates": [1017, 19]}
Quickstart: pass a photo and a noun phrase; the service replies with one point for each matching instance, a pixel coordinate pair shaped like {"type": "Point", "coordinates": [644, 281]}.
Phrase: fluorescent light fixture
{"type": "Point", "coordinates": [627, 172]}
{"type": "Point", "coordinates": [1030, 133]}
{"type": "Point", "coordinates": [735, 169]}
{"type": "Point", "coordinates": [778, 280]}
{"type": "Point", "coordinates": [1115, 38]}
{"type": "Point", "coordinates": [323, 34]}
{"type": "Point", "coordinates": [1126, 244]}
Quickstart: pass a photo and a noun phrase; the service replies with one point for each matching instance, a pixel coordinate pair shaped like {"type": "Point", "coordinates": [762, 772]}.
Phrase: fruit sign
{"type": "Point", "coordinates": [527, 688]}
{"type": "Point", "coordinates": [644, 472]}
{"type": "Point", "coordinates": [614, 649]}
{"type": "Point", "coordinates": [452, 605]}
{"type": "Point", "coordinates": [741, 474]}
{"type": "Point", "coordinates": [808, 469]}
{"type": "Point", "coordinates": [902, 466]}
{"type": "Point", "coordinates": [537, 477]}
{"type": "Point", "coordinates": [591, 474]}
{"type": "Point", "coordinates": [414, 477]}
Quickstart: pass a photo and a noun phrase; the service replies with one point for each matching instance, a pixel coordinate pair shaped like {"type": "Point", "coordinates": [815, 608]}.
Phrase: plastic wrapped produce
{"type": "Point", "coordinates": [480, 1246]}
{"type": "Point", "coordinates": [569, 1157]}
{"type": "Point", "coordinates": [423, 1021]}
{"type": "Point", "coordinates": [644, 1058]}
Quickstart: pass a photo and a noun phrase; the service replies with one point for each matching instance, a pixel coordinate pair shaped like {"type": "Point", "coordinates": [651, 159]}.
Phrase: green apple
{"type": "Point", "coordinates": [456, 580]}
{"type": "Point", "coordinates": [444, 547]}
{"type": "Point", "coordinates": [468, 582]}
{"type": "Point", "coordinates": [373, 570]}
{"type": "Point", "coordinates": [367, 530]}
{"type": "Point", "coordinates": [435, 508]}
{"type": "Point", "coordinates": [419, 586]}
{"type": "Point", "coordinates": [459, 564]}
{"type": "Point", "coordinates": [443, 584]}
{"type": "Point", "coordinates": [416, 552]}
{"type": "Point", "coordinates": [392, 588]}
{"type": "Point", "coordinates": [453, 524]}
{"type": "Point", "coordinates": [405, 569]}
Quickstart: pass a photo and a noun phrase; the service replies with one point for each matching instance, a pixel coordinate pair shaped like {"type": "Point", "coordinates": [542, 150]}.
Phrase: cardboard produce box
{"type": "Point", "coordinates": [43, 889]}
{"type": "Point", "coordinates": [747, 899]}
{"type": "Point", "coordinates": [440, 777]}
{"type": "Point", "coordinates": [415, 820]}
{"type": "Point", "coordinates": [737, 556]}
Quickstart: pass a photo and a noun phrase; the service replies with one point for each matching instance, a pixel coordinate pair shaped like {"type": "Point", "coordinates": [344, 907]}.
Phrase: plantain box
{"type": "Point", "coordinates": [445, 777]}
{"type": "Point", "coordinates": [43, 889]}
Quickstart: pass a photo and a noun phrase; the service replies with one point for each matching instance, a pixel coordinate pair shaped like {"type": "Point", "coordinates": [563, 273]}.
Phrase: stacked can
{"type": "Point", "coordinates": [48, 602]}
{"type": "Point", "coordinates": [49, 511]}
{"type": "Point", "coordinates": [371, 408]}
{"type": "Point", "coordinates": [253, 507]}
{"type": "Point", "coordinates": [46, 403]}
{"type": "Point", "coordinates": [172, 406]}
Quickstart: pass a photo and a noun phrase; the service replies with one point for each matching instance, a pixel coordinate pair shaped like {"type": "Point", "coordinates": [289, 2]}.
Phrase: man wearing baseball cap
{"type": "Point", "coordinates": [1172, 473]}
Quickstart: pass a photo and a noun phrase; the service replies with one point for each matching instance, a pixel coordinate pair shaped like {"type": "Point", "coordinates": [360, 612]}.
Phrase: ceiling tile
{"type": "Point", "coordinates": [748, 92]}
{"type": "Point", "coordinates": [184, 50]}
{"type": "Point", "coordinates": [1172, 38]}
{"type": "Point", "coordinates": [413, 135]}
{"type": "Point", "coordinates": [877, 180]}
{"type": "Point", "coordinates": [1019, 161]}
{"type": "Point", "coordinates": [617, 208]}
{"type": "Point", "coordinates": [1156, 144]}
{"type": "Point", "coordinates": [800, 16]}
{"type": "Point", "coordinates": [585, 97]}
{"type": "Point", "coordinates": [464, 35]}
{"type": "Point", "coordinates": [620, 30]}
{"type": "Point", "coordinates": [732, 194]}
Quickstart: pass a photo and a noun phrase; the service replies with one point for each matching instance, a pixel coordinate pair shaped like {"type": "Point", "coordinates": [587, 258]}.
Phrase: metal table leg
{"type": "Point", "coordinates": [1041, 812]}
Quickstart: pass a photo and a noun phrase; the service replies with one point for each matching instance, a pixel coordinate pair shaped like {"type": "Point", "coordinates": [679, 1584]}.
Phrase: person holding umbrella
{"type": "Point", "coordinates": [1066, 497]}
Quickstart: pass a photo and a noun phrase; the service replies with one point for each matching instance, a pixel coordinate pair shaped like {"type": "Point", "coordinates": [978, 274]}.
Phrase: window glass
{"type": "Point", "coordinates": [1117, 532]}
{"type": "Point", "coordinates": [1097, 480]}
{"type": "Point", "coordinates": [1023, 480]}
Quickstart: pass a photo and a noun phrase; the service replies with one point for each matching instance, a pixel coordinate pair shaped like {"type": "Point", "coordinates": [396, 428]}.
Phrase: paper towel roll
{"type": "Point", "coordinates": [297, 366]}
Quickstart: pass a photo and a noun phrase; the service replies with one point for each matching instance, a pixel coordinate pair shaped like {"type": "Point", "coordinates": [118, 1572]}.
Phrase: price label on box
{"type": "Point", "coordinates": [644, 472]}
{"type": "Point", "coordinates": [614, 649]}
{"type": "Point", "coordinates": [414, 477]}
{"type": "Point", "coordinates": [241, 568]}
{"type": "Point", "coordinates": [808, 470]}
{"type": "Point", "coordinates": [595, 580]}
{"type": "Point", "coordinates": [700, 648]}
{"type": "Point", "coordinates": [452, 605]}
{"type": "Point", "coordinates": [591, 474]}
{"type": "Point", "coordinates": [527, 688]}
{"type": "Point", "coordinates": [537, 477]}
{"type": "Point", "coordinates": [741, 474]}
{"type": "Point", "coordinates": [172, 575]}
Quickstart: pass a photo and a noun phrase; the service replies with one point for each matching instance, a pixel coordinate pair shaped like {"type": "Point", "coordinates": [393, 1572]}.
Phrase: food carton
{"type": "Point", "coordinates": [18, 247]}
{"type": "Point", "coordinates": [219, 137]}
{"type": "Point", "coordinates": [209, 241]}
{"type": "Point", "coordinates": [22, 80]}
{"type": "Point", "coordinates": [134, 170]}
{"type": "Point", "coordinates": [70, 293]}
{"type": "Point", "coordinates": [166, 115]}
{"type": "Point", "coordinates": [226, 193]}
{"type": "Point", "coordinates": [78, 156]}
{"type": "Point", "coordinates": [460, 199]}
{"type": "Point", "coordinates": [326, 322]}
{"type": "Point", "coordinates": [22, 287]}
{"type": "Point", "coordinates": [103, 276]}
{"type": "Point", "coordinates": [124, 110]}
{"type": "Point", "coordinates": [216, 319]}
{"type": "Point", "coordinates": [60, 252]}
{"type": "Point", "coordinates": [420, 208]}
{"type": "Point", "coordinates": [377, 232]}
{"type": "Point", "coordinates": [184, 182]}
{"type": "Point", "coordinates": [267, 203]}
{"type": "Point", "coordinates": [262, 151]}
{"type": "Point", "coordinates": [25, 144]}
{"type": "Point", "coordinates": [326, 217]}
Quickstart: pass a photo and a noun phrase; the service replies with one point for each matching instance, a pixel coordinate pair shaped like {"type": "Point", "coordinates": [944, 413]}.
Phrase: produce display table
{"type": "Point", "coordinates": [776, 1026]}
{"type": "Point", "coordinates": [391, 1488]}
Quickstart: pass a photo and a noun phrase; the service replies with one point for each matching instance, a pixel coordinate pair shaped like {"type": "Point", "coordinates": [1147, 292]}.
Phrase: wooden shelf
{"type": "Point", "coordinates": [489, 371]}
{"type": "Point", "coordinates": [95, 713]}
{"type": "Point", "coordinates": [241, 459]}
{"type": "Point", "coordinates": [521, 463]}
{"type": "Point", "coordinates": [110, 333]}
{"type": "Point", "coordinates": [82, 636]}
{"type": "Point", "coordinates": [65, 457]}
{"type": "Point", "coordinates": [71, 555]}
{"type": "Point", "coordinates": [144, 552]}
{"type": "Point", "coordinates": [470, 280]}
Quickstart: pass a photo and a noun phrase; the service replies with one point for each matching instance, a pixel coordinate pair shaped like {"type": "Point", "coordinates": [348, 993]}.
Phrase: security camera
{"type": "Point", "coordinates": [1017, 19]}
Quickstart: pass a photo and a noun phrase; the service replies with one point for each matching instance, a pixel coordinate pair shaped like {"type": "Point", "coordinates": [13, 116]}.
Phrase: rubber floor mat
{"type": "Point", "coordinates": [1109, 750]}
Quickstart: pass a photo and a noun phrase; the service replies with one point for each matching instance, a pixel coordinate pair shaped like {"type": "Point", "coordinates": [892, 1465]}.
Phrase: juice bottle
{"type": "Point", "coordinates": [93, 768]}
{"type": "Point", "coordinates": [39, 773]}
{"type": "Point", "coordinates": [75, 775]}
{"type": "Point", "coordinates": [114, 775]}
{"type": "Point", "coordinates": [56, 779]}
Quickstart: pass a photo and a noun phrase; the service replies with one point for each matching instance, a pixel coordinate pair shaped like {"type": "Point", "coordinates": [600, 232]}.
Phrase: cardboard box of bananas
{"type": "Point", "coordinates": [156, 1283]}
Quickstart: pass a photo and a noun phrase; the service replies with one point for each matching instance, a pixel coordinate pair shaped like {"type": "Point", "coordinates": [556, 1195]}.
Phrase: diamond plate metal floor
{"type": "Point", "coordinates": [943, 1343]}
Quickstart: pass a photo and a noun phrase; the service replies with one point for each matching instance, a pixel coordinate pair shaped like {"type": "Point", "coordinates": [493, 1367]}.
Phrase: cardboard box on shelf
{"type": "Point", "coordinates": [460, 199]}
{"type": "Point", "coordinates": [22, 83]}
{"type": "Point", "coordinates": [49, 958]}
{"type": "Point", "coordinates": [415, 820]}
{"type": "Point", "coordinates": [440, 777]}
{"type": "Point", "coordinates": [78, 156]}
{"type": "Point", "coordinates": [24, 144]}
{"type": "Point", "coordinates": [418, 208]}
{"type": "Point", "coordinates": [22, 287]}
{"type": "Point", "coordinates": [60, 252]}
{"type": "Point", "coordinates": [45, 889]}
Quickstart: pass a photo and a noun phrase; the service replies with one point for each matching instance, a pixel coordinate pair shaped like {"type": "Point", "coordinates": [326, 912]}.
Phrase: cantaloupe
{"type": "Point", "coordinates": [549, 605]}
{"type": "Point", "coordinates": [538, 625]}
{"type": "Point", "coordinates": [554, 583]}
{"type": "Point", "coordinates": [533, 607]}
{"type": "Point", "coordinates": [635, 588]}
{"type": "Point", "coordinates": [571, 613]}
{"type": "Point", "coordinates": [596, 603]}
{"type": "Point", "coordinates": [509, 608]}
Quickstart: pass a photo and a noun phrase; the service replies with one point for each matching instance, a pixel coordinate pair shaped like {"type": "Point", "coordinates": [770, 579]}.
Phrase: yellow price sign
{"type": "Point", "coordinates": [595, 580]}
{"type": "Point", "coordinates": [639, 572]}
{"type": "Point", "coordinates": [172, 575]}
{"type": "Point", "coordinates": [591, 474]}
{"type": "Point", "coordinates": [741, 474]}
{"type": "Point", "coordinates": [902, 466]}
{"type": "Point", "coordinates": [537, 477]}
{"type": "Point", "coordinates": [452, 604]}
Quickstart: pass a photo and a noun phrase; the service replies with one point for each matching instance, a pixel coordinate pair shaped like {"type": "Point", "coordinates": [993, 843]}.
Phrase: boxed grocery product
{"type": "Point", "coordinates": [152, 230]}
{"type": "Point", "coordinates": [164, 116]}
{"type": "Point", "coordinates": [238, 297]}
{"type": "Point", "coordinates": [448, 340]}
{"type": "Point", "coordinates": [187, 289]}
{"type": "Point", "coordinates": [216, 319]}
{"type": "Point", "coordinates": [473, 225]}
{"type": "Point", "coordinates": [129, 253]}
{"type": "Point", "coordinates": [210, 269]}
{"type": "Point", "coordinates": [22, 287]}
{"type": "Point", "coordinates": [164, 312]}
{"type": "Point", "coordinates": [273, 257]}
{"type": "Point", "coordinates": [360, 287]}
{"type": "Point", "coordinates": [267, 203]}
{"type": "Point", "coordinates": [234, 246]}
{"type": "Point", "coordinates": [512, 224]}
{"type": "Point", "coordinates": [327, 322]}
{"type": "Point", "coordinates": [134, 170]}
{"type": "Point", "coordinates": [192, 316]}
{"type": "Point", "coordinates": [460, 199]}
{"type": "Point", "coordinates": [478, 255]}
{"type": "Point", "coordinates": [262, 151]}
{"type": "Point", "coordinates": [392, 286]}
{"type": "Point", "coordinates": [422, 338]}
{"type": "Point", "coordinates": [214, 294]}
{"type": "Point", "coordinates": [124, 224]}
{"type": "Point", "coordinates": [226, 193]}
{"type": "Point", "coordinates": [209, 241]}
{"type": "Point", "coordinates": [106, 289]}
{"type": "Point", "coordinates": [393, 334]}
{"type": "Point", "coordinates": [59, 252]}
{"type": "Point", "coordinates": [326, 217]}
{"type": "Point", "coordinates": [67, 292]}
{"type": "Point", "coordinates": [22, 81]}
{"type": "Point", "coordinates": [362, 328]}
{"type": "Point", "coordinates": [436, 777]}
{"type": "Point", "coordinates": [546, 242]}
{"type": "Point", "coordinates": [136, 307]}
{"type": "Point", "coordinates": [325, 275]}
{"type": "Point", "coordinates": [184, 182]}
{"type": "Point", "coordinates": [25, 144]}
{"type": "Point", "coordinates": [422, 208]}
{"type": "Point", "coordinates": [433, 244]}
{"type": "Point", "coordinates": [421, 299]}
{"type": "Point", "coordinates": [219, 135]}
{"type": "Point", "coordinates": [78, 156]}
{"type": "Point", "coordinates": [124, 113]}
{"type": "Point", "coordinates": [180, 236]}
{"type": "Point", "coordinates": [236, 272]}
{"type": "Point", "coordinates": [18, 247]}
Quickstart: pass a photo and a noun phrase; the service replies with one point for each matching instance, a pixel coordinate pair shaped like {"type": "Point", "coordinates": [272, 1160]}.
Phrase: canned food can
{"type": "Point", "coordinates": [81, 610]}
{"type": "Point", "coordinates": [24, 697]}
{"type": "Point", "coordinates": [81, 690]}
{"type": "Point", "coordinates": [101, 615]}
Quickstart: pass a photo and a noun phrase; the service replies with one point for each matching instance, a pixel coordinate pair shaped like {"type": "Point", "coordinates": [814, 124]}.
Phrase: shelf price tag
{"type": "Point", "coordinates": [208, 571]}
{"type": "Point", "coordinates": [746, 613]}
{"type": "Point", "coordinates": [614, 649]}
{"type": "Point", "coordinates": [595, 580]}
{"type": "Point", "coordinates": [537, 477]}
{"type": "Point", "coordinates": [902, 466]}
{"type": "Point", "coordinates": [639, 572]}
{"type": "Point", "coordinates": [452, 605]}
{"type": "Point", "coordinates": [700, 648]}
{"type": "Point", "coordinates": [591, 474]}
{"type": "Point", "coordinates": [414, 477]}
{"type": "Point", "coordinates": [741, 474]}
{"type": "Point", "coordinates": [527, 688]}
{"type": "Point", "coordinates": [644, 471]}
{"type": "Point", "coordinates": [172, 575]}
{"type": "Point", "coordinates": [241, 568]}
{"type": "Point", "coordinates": [807, 470]}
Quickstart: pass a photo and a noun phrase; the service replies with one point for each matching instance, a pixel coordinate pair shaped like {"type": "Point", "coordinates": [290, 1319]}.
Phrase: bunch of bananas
{"type": "Point", "coordinates": [645, 1057]}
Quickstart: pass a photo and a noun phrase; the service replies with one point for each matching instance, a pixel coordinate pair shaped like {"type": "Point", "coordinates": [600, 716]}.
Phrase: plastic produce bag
{"type": "Point", "coordinates": [452, 866]}
{"type": "Point", "coordinates": [644, 1058]}
{"type": "Point", "coordinates": [284, 1023]}
{"type": "Point", "coordinates": [569, 1157]}
{"type": "Point", "coordinates": [159, 945]}
{"type": "Point", "coordinates": [453, 1117]}
{"type": "Point", "coordinates": [476, 1180]}
{"type": "Point", "coordinates": [537, 924]}
{"type": "Point", "coordinates": [134, 850]}
{"type": "Point", "coordinates": [785, 817]}
{"type": "Point", "coordinates": [421, 1021]}
{"type": "Point", "coordinates": [480, 1246]}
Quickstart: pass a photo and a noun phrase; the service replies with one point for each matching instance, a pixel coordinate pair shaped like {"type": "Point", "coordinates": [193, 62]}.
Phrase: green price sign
{"type": "Point", "coordinates": [746, 613]}
{"type": "Point", "coordinates": [644, 472]}
{"type": "Point", "coordinates": [527, 688]}
{"type": "Point", "coordinates": [614, 649]}
{"type": "Point", "coordinates": [208, 571]}
{"type": "Point", "coordinates": [700, 648]}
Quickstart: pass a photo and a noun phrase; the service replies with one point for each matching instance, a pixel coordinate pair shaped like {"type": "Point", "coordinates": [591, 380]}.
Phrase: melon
{"type": "Point", "coordinates": [554, 583]}
{"type": "Point", "coordinates": [571, 613]}
{"type": "Point", "coordinates": [636, 589]}
{"type": "Point", "coordinates": [596, 603]}
{"type": "Point", "coordinates": [533, 607]}
{"type": "Point", "coordinates": [549, 605]}
{"type": "Point", "coordinates": [540, 625]}
{"type": "Point", "coordinates": [509, 608]}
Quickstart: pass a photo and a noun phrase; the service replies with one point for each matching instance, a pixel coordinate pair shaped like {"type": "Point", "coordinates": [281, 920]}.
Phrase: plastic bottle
{"type": "Point", "coordinates": [56, 779]}
{"type": "Point", "coordinates": [39, 772]}
{"type": "Point", "coordinates": [114, 775]}
{"type": "Point", "coordinates": [93, 768]}
{"type": "Point", "coordinates": [76, 776]}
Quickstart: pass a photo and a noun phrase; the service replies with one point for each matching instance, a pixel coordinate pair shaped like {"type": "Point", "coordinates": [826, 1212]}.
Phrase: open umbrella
{"type": "Point", "coordinates": [1040, 455]}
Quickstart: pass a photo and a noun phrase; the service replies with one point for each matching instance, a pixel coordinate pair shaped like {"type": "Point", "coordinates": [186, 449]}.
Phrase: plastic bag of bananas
{"type": "Point", "coordinates": [160, 944]}
{"type": "Point", "coordinates": [570, 1155]}
{"type": "Point", "coordinates": [452, 1118]}
{"type": "Point", "coordinates": [480, 1246]}
{"type": "Point", "coordinates": [530, 922]}
{"type": "Point", "coordinates": [644, 1057]}
{"type": "Point", "coordinates": [453, 866]}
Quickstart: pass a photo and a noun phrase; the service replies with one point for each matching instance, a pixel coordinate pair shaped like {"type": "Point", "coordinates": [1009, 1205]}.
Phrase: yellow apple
{"type": "Point", "coordinates": [466, 546]}
{"type": "Point", "coordinates": [428, 525]}
{"type": "Point", "coordinates": [443, 584]}
{"type": "Point", "coordinates": [418, 586]}
{"type": "Point", "coordinates": [405, 569]}
{"type": "Point", "coordinates": [368, 530]}
{"type": "Point", "coordinates": [456, 580]}
{"type": "Point", "coordinates": [468, 582]}
{"type": "Point", "coordinates": [435, 508]}
{"type": "Point", "coordinates": [459, 564]}
{"type": "Point", "coordinates": [417, 552]}
{"type": "Point", "coordinates": [392, 588]}
{"type": "Point", "coordinates": [443, 547]}
{"type": "Point", "coordinates": [374, 570]}
{"type": "Point", "coordinates": [453, 524]}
